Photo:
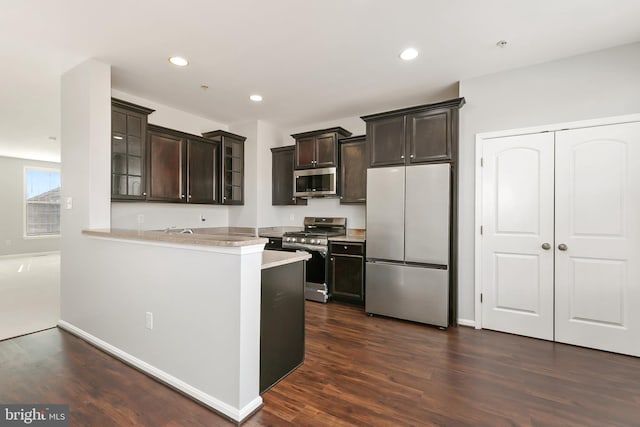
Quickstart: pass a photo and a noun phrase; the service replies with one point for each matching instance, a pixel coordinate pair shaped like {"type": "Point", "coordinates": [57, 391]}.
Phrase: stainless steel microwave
{"type": "Point", "coordinates": [320, 182]}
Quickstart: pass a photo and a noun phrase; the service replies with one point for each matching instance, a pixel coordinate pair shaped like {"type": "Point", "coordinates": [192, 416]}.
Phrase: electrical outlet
{"type": "Point", "coordinates": [140, 219]}
{"type": "Point", "coordinates": [149, 320]}
{"type": "Point", "coordinates": [68, 203]}
{"type": "Point", "coordinates": [291, 217]}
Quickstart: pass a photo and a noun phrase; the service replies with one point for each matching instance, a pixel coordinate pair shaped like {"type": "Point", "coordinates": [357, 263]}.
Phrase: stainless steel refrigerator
{"type": "Point", "coordinates": [408, 217]}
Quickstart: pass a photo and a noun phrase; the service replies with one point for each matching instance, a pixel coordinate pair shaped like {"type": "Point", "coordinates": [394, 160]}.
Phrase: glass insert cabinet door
{"type": "Point", "coordinates": [128, 135]}
{"type": "Point", "coordinates": [232, 146]}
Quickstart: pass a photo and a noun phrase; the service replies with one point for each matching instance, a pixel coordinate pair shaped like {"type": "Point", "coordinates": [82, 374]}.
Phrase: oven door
{"type": "Point", "coordinates": [319, 182]}
{"type": "Point", "coordinates": [315, 288]}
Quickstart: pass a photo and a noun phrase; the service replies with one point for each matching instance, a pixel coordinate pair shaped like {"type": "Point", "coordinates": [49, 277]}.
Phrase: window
{"type": "Point", "coordinates": [42, 202]}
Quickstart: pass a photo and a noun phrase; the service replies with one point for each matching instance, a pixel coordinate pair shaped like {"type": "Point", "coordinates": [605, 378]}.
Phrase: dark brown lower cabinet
{"type": "Point", "coordinates": [281, 322]}
{"type": "Point", "coordinates": [346, 271]}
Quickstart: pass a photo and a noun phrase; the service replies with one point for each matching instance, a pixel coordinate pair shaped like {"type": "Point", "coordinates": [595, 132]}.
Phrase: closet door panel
{"type": "Point", "coordinates": [597, 234]}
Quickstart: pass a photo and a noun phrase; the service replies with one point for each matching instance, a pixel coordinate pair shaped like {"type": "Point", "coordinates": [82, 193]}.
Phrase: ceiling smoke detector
{"type": "Point", "coordinates": [502, 43]}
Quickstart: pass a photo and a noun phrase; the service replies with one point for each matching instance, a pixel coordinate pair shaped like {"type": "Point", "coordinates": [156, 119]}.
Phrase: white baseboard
{"type": "Point", "coordinates": [29, 255]}
{"type": "Point", "coordinates": [467, 322]}
{"type": "Point", "coordinates": [236, 414]}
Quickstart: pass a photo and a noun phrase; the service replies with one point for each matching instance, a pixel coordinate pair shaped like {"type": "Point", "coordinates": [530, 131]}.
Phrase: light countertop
{"type": "Point", "coordinates": [200, 237]}
{"type": "Point", "coordinates": [275, 258]}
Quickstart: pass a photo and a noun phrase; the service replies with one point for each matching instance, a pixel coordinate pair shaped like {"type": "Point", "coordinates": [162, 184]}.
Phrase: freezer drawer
{"type": "Point", "coordinates": [407, 292]}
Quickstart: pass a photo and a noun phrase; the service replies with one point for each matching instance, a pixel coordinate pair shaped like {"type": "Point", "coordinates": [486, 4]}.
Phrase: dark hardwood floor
{"type": "Point", "coordinates": [358, 370]}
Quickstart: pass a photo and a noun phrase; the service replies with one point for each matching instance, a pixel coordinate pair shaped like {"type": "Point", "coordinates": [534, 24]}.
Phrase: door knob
{"type": "Point", "coordinates": [563, 247]}
{"type": "Point", "coordinates": [546, 246]}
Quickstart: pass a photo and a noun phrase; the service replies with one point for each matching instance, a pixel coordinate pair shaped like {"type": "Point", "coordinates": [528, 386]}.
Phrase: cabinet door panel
{"type": "Point", "coordinates": [326, 150]}
{"type": "Point", "coordinates": [347, 276]}
{"type": "Point", "coordinates": [165, 167]}
{"type": "Point", "coordinates": [353, 172]}
{"type": "Point", "coordinates": [429, 136]}
{"type": "Point", "coordinates": [386, 141]}
{"type": "Point", "coordinates": [282, 177]}
{"type": "Point", "coordinates": [233, 171]}
{"type": "Point", "coordinates": [202, 172]}
{"type": "Point", "coordinates": [305, 152]}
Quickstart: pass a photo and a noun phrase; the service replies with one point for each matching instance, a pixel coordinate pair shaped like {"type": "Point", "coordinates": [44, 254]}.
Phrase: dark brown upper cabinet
{"type": "Point", "coordinates": [282, 160]}
{"type": "Point", "coordinates": [128, 139]}
{"type": "Point", "coordinates": [421, 134]}
{"type": "Point", "coordinates": [353, 169]}
{"type": "Point", "coordinates": [166, 165]}
{"type": "Point", "coordinates": [182, 168]}
{"type": "Point", "coordinates": [318, 149]}
{"type": "Point", "coordinates": [232, 167]}
{"type": "Point", "coordinates": [203, 164]}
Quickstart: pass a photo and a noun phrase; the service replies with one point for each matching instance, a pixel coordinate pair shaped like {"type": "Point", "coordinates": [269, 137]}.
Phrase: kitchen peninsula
{"type": "Point", "coordinates": [184, 308]}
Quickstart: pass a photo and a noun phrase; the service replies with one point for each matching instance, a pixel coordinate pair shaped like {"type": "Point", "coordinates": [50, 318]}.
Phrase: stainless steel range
{"type": "Point", "coordinates": [315, 240]}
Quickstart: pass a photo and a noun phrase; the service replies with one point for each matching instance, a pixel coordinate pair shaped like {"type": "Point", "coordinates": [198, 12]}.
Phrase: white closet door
{"type": "Point", "coordinates": [517, 212]}
{"type": "Point", "coordinates": [598, 219]}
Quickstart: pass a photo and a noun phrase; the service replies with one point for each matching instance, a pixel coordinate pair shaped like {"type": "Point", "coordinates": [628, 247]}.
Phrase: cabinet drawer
{"type": "Point", "coordinates": [347, 248]}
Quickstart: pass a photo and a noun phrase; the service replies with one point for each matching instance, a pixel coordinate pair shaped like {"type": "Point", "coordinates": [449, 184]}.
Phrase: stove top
{"type": "Point", "coordinates": [315, 234]}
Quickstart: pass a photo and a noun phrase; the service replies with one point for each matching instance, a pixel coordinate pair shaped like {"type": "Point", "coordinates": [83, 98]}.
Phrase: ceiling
{"type": "Point", "coordinates": [311, 60]}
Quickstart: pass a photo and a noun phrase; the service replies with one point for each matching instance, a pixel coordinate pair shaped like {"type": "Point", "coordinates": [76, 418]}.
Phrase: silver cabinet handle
{"type": "Point", "coordinates": [411, 156]}
{"type": "Point", "coordinates": [144, 194]}
{"type": "Point", "coordinates": [189, 195]}
{"type": "Point", "coordinates": [402, 157]}
{"type": "Point", "coordinates": [182, 196]}
{"type": "Point", "coordinates": [563, 247]}
{"type": "Point", "coordinates": [546, 246]}
{"type": "Point", "coordinates": [345, 247]}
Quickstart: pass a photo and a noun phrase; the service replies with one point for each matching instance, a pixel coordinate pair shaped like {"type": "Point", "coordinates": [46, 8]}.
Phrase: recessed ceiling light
{"type": "Point", "coordinates": [502, 43]}
{"type": "Point", "coordinates": [409, 53]}
{"type": "Point", "coordinates": [179, 61]}
{"type": "Point", "coordinates": [255, 98]}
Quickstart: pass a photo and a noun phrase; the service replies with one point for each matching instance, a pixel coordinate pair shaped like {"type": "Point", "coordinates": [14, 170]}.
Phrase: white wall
{"type": "Point", "coordinates": [205, 300]}
{"type": "Point", "coordinates": [293, 215]}
{"type": "Point", "coordinates": [161, 215]}
{"type": "Point", "coordinates": [600, 84]}
{"type": "Point", "coordinates": [12, 209]}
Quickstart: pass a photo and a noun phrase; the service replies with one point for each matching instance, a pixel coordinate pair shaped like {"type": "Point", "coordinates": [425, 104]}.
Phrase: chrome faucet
{"type": "Point", "coordinates": [186, 231]}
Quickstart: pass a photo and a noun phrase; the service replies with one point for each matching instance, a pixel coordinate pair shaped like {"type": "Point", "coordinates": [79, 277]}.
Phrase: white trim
{"type": "Point", "coordinates": [477, 307]}
{"type": "Point", "coordinates": [233, 250]}
{"type": "Point", "coordinates": [480, 137]}
{"type": "Point", "coordinates": [467, 322]}
{"type": "Point", "coordinates": [25, 236]}
{"type": "Point", "coordinates": [628, 118]}
{"type": "Point", "coordinates": [197, 394]}
{"type": "Point", "coordinates": [29, 255]}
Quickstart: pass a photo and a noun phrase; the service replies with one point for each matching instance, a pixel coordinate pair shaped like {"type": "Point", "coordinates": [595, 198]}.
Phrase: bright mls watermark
{"type": "Point", "coordinates": [34, 415]}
